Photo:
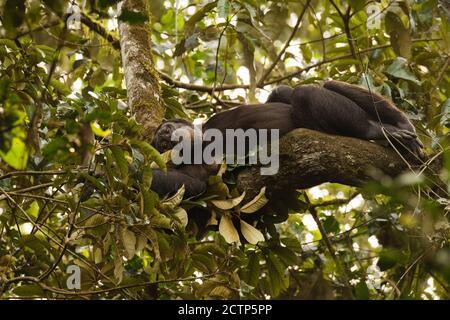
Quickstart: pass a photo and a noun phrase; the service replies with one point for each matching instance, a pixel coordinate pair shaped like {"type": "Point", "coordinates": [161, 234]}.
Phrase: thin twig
{"type": "Point", "coordinates": [330, 247]}
{"type": "Point", "coordinates": [286, 45]}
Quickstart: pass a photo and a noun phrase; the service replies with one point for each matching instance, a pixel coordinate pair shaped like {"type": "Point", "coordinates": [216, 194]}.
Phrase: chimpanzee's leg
{"type": "Point", "coordinates": [320, 109]}
{"type": "Point", "coordinates": [382, 110]}
{"type": "Point", "coordinates": [374, 104]}
{"type": "Point", "coordinates": [328, 111]}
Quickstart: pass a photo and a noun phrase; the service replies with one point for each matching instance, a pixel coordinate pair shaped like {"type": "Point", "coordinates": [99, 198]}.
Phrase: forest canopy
{"type": "Point", "coordinates": [84, 85]}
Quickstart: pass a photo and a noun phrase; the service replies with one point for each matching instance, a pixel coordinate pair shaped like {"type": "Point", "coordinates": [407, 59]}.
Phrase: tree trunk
{"type": "Point", "coordinates": [141, 77]}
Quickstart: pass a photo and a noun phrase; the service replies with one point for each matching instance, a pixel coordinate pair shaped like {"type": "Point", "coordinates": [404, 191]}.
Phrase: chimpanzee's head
{"type": "Point", "coordinates": [162, 140]}
{"type": "Point", "coordinates": [281, 93]}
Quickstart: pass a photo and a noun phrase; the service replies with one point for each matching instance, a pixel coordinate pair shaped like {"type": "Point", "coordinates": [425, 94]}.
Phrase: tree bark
{"type": "Point", "coordinates": [309, 158]}
{"type": "Point", "coordinates": [141, 77]}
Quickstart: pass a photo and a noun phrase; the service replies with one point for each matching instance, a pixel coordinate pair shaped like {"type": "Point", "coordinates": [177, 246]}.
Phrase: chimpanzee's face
{"type": "Point", "coordinates": [162, 140]}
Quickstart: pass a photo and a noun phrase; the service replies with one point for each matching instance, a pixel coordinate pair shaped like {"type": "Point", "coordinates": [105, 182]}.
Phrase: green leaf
{"type": "Point", "coordinates": [221, 292]}
{"type": "Point", "coordinates": [60, 87]}
{"type": "Point", "coordinates": [199, 15]}
{"type": "Point", "coordinates": [182, 215]}
{"type": "Point", "coordinates": [13, 14]}
{"type": "Point", "coordinates": [391, 257]}
{"type": "Point", "coordinates": [118, 268]}
{"type": "Point", "coordinates": [445, 112]}
{"type": "Point", "coordinates": [28, 290]}
{"type": "Point", "coordinates": [361, 290]}
{"type": "Point", "coordinates": [98, 131]}
{"type": "Point", "coordinates": [107, 3]}
{"type": "Point", "coordinates": [253, 269]}
{"type": "Point", "coordinates": [147, 177]}
{"type": "Point", "coordinates": [17, 156]}
{"type": "Point", "coordinates": [150, 200]}
{"type": "Point", "coordinates": [286, 255]}
{"type": "Point", "coordinates": [33, 209]}
{"type": "Point", "coordinates": [9, 43]}
{"type": "Point", "coordinates": [357, 4]}
{"type": "Point", "coordinates": [174, 201]}
{"type": "Point", "coordinates": [160, 221]}
{"type": "Point", "coordinates": [399, 69]}
{"type": "Point", "coordinates": [278, 278]}
{"type": "Point", "coordinates": [53, 146]}
{"type": "Point", "coordinates": [331, 224]}
{"type": "Point", "coordinates": [96, 182]}
{"type": "Point", "coordinates": [55, 5]}
{"type": "Point", "coordinates": [149, 151]}
{"type": "Point", "coordinates": [223, 7]}
{"type": "Point", "coordinates": [121, 162]}
{"type": "Point", "coordinates": [204, 262]}
{"type": "Point", "coordinates": [175, 107]}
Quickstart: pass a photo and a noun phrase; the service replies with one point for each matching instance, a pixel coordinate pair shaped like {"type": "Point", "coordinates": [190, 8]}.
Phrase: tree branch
{"type": "Point", "coordinates": [309, 158]}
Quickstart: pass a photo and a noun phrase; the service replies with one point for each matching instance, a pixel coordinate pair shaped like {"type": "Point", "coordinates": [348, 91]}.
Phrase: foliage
{"type": "Point", "coordinates": [62, 88]}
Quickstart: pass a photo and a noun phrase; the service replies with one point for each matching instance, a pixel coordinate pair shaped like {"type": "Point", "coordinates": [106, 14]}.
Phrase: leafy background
{"type": "Point", "coordinates": [62, 87]}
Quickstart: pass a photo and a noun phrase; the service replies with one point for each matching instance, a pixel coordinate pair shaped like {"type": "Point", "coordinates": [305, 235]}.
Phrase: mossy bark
{"type": "Point", "coordinates": [309, 158]}
{"type": "Point", "coordinates": [141, 77]}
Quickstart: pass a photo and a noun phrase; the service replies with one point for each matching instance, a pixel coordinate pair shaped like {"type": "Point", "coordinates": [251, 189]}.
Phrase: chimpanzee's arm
{"type": "Point", "coordinates": [168, 183]}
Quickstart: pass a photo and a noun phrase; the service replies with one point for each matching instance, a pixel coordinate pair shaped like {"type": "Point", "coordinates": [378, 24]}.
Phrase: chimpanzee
{"type": "Point", "coordinates": [335, 108]}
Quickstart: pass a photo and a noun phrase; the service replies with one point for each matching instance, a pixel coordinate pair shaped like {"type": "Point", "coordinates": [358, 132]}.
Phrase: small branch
{"type": "Point", "coordinates": [443, 71]}
{"type": "Point", "coordinates": [337, 8]}
{"type": "Point", "coordinates": [87, 293]}
{"type": "Point", "coordinates": [36, 187]}
{"type": "Point", "coordinates": [322, 230]}
{"type": "Point", "coordinates": [40, 28]}
{"type": "Point", "coordinates": [330, 247]}
{"type": "Point", "coordinates": [346, 20]}
{"type": "Point", "coordinates": [100, 30]}
{"type": "Point", "coordinates": [201, 88]}
{"type": "Point", "coordinates": [335, 202]}
{"type": "Point", "coordinates": [33, 173]}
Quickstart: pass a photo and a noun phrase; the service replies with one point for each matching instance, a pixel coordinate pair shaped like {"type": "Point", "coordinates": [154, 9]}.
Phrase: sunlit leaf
{"type": "Point", "coordinates": [174, 201]}
{"type": "Point", "coordinates": [257, 203]}
{"type": "Point", "coordinates": [227, 230]}
{"type": "Point", "coordinates": [229, 203]}
{"type": "Point", "coordinates": [250, 233]}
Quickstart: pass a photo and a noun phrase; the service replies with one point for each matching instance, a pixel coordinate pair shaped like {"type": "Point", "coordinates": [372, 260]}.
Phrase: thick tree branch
{"type": "Point", "coordinates": [309, 158]}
